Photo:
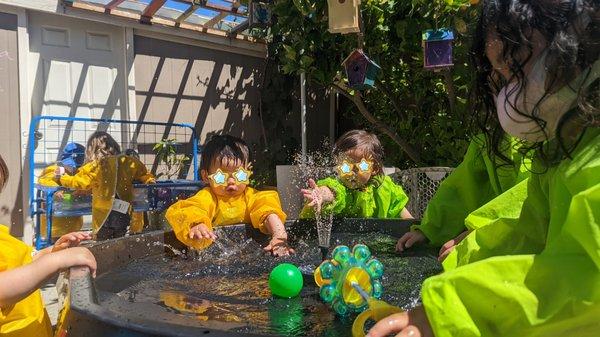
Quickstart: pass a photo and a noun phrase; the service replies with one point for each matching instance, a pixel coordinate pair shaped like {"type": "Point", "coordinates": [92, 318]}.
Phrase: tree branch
{"type": "Point", "coordinates": [385, 89]}
{"type": "Point", "coordinates": [357, 100]}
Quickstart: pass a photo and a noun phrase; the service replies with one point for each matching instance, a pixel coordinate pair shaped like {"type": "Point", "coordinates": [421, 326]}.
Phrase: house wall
{"type": "Point", "coordinates": [215, 91]}
{"type": "Point", "coordinates": [11, 210]}
{"type": "Point", "coordinates": [70, 62]}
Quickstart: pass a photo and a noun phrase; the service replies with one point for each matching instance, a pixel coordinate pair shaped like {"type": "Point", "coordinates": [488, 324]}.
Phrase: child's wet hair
{"type": "Point", "coordinates": [366, 143]}
{"type": "Point", "coordinates": [100, 145]}
{"type": "Point", "coordinates": [3, 173]}
{"type": "Point", "coordinates": [224, 149]}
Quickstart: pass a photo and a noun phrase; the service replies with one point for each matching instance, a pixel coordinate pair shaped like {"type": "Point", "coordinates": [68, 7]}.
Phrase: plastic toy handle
{"type": "Point", "coordinates": [377, 311]}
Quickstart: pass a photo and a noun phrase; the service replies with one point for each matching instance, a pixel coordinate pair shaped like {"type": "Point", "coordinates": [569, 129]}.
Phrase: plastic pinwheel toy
{"type": "Point", "coordinates": [351, 283]}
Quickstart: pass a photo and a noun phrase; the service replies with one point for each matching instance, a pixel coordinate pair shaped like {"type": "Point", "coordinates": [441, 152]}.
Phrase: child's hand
{"type": "Point", "coordinates": [317, 196]}
{"type": "Point", "coordinates": [59, 171]}
{"type": "Point", "coordinates": [77, 256]}
{"type": "Point", "coordinates": [70, 240]}
{"type": "Point", "coordinates": [201, 231]}
{"type": "Point", "coordinates": [278, 246]}
{"type": "Point", "coordinates": [409, 239]}
{"type": "Point", "coordinates": [448, 247]}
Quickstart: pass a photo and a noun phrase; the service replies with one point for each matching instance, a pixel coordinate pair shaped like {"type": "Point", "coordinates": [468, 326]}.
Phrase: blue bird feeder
{"type": "Point", "coordinates": [437, 48]}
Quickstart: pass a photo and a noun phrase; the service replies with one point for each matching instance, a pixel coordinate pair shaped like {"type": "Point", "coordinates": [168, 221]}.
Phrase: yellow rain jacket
{"type": "Point", "coordinates": [477, 180]}
{"type": "Point", "coordinates": [27, 318]}
{"type": "Point", "coordinates": [60, 225]}
{"type": "Point", "coordinates": [537, 275]}
{"type": "Point", "coordinates": [106, 178]}
{"type": "Point", "coordinates": [252, 206]}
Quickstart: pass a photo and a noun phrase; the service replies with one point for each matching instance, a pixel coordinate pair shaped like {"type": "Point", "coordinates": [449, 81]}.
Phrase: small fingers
{"type": "Point", "coordinates": [401, 242]}
{"type": "Point", "coordinates": [445, 254]}
{"type": "Point", "coordinates": [391, 324]}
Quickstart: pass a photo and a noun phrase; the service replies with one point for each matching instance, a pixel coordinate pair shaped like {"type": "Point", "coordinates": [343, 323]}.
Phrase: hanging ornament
{"type": "Point", "coordinates": [437, 48]}
{"type": "Point", "coordinates": [259, 14]}
{"type": "Point", "coordinates": [344, 16]}
{"type": "Point", "coordinates": [360, 70]}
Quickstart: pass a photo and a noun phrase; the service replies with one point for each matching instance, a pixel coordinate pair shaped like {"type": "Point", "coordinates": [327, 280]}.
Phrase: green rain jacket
{"type": "Point", "coordinates": [538, 275]}
{"type": "Point", "coordinates": [381, 198]}
{"type": "Point", "coordinates": [477, 180]}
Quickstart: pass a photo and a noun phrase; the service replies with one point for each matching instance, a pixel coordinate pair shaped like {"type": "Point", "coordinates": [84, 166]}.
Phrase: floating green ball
{"type": "Point", "coordinates": [285, 281]}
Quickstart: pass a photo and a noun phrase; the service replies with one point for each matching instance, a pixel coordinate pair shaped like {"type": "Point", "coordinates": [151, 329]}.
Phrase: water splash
{"type": "Point", "coordinates": [317, 165]}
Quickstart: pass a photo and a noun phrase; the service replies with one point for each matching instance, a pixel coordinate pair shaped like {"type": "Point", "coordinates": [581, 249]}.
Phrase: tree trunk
{"type": "Point", "coordinates": [357, 100]}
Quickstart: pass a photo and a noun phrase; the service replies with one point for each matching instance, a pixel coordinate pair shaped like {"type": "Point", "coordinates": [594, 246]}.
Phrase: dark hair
{"type": "Point", "coordinates": [365, 142]}
{"type": "Point", "coordinates": [224, 149]}
{"type": "Point", "coordinates": [3, 173]}
{"type": "Point", "coordinates": [571, 48]}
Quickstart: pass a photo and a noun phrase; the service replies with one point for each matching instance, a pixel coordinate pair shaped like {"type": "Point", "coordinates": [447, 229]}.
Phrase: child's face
{"type": "Point", "coordinates": [230, 186]}
{"type": "Point", "coordinates": [359, 178]}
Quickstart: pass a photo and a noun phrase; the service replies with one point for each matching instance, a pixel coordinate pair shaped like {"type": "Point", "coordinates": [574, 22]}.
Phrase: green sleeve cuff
{"type": "Point", "coordinates": [339, 190]}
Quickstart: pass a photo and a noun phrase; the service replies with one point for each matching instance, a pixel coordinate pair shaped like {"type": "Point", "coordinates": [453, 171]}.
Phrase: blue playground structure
{"type": "Point", "coordinates": [49, 134]}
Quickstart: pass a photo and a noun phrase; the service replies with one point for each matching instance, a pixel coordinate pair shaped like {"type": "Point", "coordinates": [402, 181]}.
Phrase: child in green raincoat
{"type": "Point", "coordinates": [538, 65]}
{"type": "Point", "coordinates": [483, 188]}
{"type": "Point", "coordinates": [360, 190]}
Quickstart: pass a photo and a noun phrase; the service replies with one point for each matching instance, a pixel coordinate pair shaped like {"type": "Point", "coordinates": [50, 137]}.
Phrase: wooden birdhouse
{"type": "Point", "coordinates": [344, 16]}
{"type": "Point", "coordinates": [259, 14]}
{"type": "Point", "coordinates": [361, 70]}
{"type": "Point", "coordinates": [437, 48]}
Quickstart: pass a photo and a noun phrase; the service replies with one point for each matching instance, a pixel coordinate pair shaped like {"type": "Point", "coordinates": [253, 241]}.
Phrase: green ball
{"type": "Point", "coordinates": [285, 281]}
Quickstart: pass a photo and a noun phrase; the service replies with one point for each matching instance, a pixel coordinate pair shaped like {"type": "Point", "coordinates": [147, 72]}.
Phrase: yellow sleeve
{"type": "Point", "coordinates": [143, 175]}
{"type": "Point", "coordinates": [262, 204]}
{"type": "Point", "coordinates": [184, 214]}
{"type": "Point", "coordinates": [83, 179]}
{"type": "Point", "coordinates": [47, 178]}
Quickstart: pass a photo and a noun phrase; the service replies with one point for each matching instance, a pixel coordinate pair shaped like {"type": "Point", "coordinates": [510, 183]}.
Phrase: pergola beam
{"type": "Point", "coordinates": [214, 7]}
{"type": "Point", "coordinates": [214, 20]}
{"type": "Point", "coordinates": [150, 10]}
{"type": "Point", "coordinates": [239, 28]}
{"type": "Point", "coordinates": [186, 14]}
{"type": "Point", "coordinates": [112, 5]}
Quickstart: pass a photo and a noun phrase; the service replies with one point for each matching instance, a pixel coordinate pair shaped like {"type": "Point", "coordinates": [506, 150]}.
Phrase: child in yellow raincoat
{"type": "Point", "coordinates": [538, 66]}
{"type": "Point", "coordinates": [225, 165]}
{"type": "Point", "coordinates": [71, 159]}
{"type": "Point", "coordinates": [22, 312]}
{"type": "Point", "coordinates": [361, 190]}
{"type": "Point", "coordinates": [110, 177]}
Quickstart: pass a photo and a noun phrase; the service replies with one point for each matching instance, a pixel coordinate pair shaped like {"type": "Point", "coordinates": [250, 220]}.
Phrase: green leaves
{"type": "Point", "coordinates": [415, 103]}
{"type": "Point", "coordinates": [166, 153]}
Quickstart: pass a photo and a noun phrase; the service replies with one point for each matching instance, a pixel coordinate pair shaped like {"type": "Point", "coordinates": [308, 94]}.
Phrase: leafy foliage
{"type": "Point", "coordinates": [426, 109]}
{"type": "Point", "coordinates": [166, 152]}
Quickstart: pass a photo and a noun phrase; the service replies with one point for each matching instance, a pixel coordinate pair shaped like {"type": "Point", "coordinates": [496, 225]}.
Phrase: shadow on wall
{"type": "Point", "coordinates": [215, 91]}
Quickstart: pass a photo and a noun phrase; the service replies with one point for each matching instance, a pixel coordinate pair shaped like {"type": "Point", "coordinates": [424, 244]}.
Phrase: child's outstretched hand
{"type": "Point", "coordinates": [448, 247]}
{"type": "Point", "coordinates": [409, 239]}
{"type": "Point", "coordinates": [202, 231]}
{"type": "Point", "coordinates": [70, 240]}
{"type": "Point", "coordinates": [278, 246]}
{"type": "Point", "coordinates": [76, 256]}
{"type": "Point", "coordinates": [317, 195]}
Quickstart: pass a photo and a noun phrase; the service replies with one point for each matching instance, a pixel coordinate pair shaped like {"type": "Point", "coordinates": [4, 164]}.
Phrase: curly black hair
{"type": "Point", "coordinates": [572, 46]}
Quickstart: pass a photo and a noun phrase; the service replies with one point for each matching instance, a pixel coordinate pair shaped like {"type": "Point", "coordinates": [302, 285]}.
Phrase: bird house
{"type": "Point", "coordinates": [344, 16]}
{"type": "Point", "coordinates": [259, 14]}
{"type": "Point", "coordinates": [437, 48]}
{"type": "Point", "coordinates": [361, 70]}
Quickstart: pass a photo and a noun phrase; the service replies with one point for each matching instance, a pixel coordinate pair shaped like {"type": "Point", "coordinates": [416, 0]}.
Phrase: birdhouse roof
{"type": "Point", "coordinates": [442, 34]}
{"type": "Point", "coordinates": [358, 54]}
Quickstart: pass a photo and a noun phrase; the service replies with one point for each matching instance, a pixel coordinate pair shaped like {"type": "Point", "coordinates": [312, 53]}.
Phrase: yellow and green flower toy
{"type": "Point", "coordinates": [351, 283]}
